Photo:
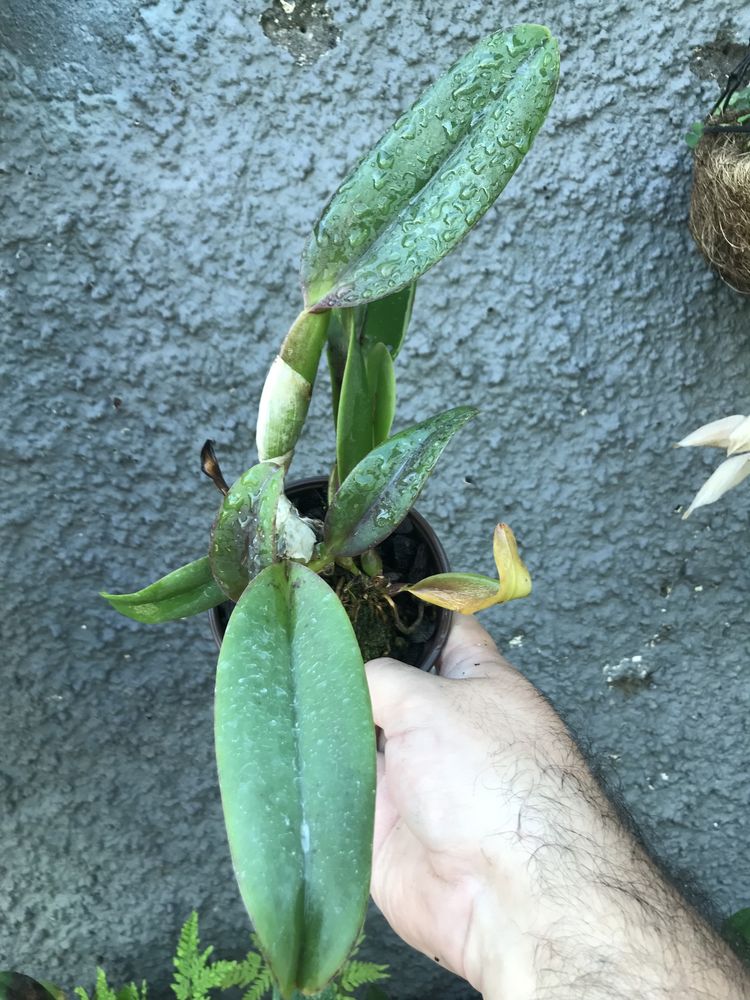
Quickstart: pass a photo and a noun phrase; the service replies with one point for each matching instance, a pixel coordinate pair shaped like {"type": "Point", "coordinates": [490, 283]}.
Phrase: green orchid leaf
{"type": "Point", "coordinates": [380, 329]}
{"type": "Point", "coordinates": [186, 591]}
{"type": "Point", "coordinates": [382, 381]}
{"type": "Point", "coordinates": [379, 492]}
{"type": "Point", "coordinates": [382, 322]}
{"type": "Point", "coordinates": [433, 175]}
{"type": "Point", "coordinates": [737, 931]}
{"type": "Point", "coordinates": [333, 484]}
{"type": "Point", "coordinates": [295, 746]}
{"type": "Point", "coordinates": [472, 592]}
{"type": "Point", "coordinates": [338, 344]}
{"type": "Point", "coordinates": [16, 986]}
{"type": "Point", "coordinates": [354, 425]}
{"type": "Point", "coordinates": [243, 538]}
{"type": "Point", "coordinates": [386, 321]}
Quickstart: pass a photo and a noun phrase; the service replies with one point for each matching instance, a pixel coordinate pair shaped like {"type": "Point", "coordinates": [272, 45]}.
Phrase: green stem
{"type": "Point", "coordinates": [371, 562]}
{"type": "Point", "coordinates": [288, 387]}
{"type": "Point", "coordinates": [347, 563]}
{"type": "Point", "coordinates": [303, 345]}
{"type": "Point", "coordinates": [320, 561]}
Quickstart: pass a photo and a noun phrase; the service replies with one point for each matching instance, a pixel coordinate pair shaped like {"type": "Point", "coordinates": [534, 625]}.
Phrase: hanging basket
{"type": "Point", "coordinates": [720, 200]}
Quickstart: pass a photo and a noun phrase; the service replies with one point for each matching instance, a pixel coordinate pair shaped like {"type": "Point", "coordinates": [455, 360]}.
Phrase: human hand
{"type": "Point", "coordinates": [496, 853]}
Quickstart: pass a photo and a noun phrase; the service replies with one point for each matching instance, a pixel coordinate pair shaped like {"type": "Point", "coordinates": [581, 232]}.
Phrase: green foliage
{"type": "Point", "coordinates": [740, 99]}
{"type": "Point", "coordinates": [296, 770]}
{"type": "Point", "coordinates": [386, 321]}
{"type": "Point", "coordinates": [382, 379]}
{"type": "Point", "coordinates": [294, 730]}
{"type": "Point", "coordinates": [378, 494]}
{"type": "Point", "coordinates": [694, 134]}
{"type": "Point", "coordinates": [433, 175]}
{"type": "Point", "coordinates": [354, 426]}
{"type": "Point", "coordinates": [103, 991]}
{"type": "Point", "coordinates": [365, 373]}
{"type": "Point", "coordinates": [357, 973]}
{"type": "Point", "coordinates": [195, 976]}
{"type": "Point", "coordinates": [186, 591]}
{"type": "Point", "coordinates": [737, 932]}
{"type": "Point", "coordinates": [243, 540]}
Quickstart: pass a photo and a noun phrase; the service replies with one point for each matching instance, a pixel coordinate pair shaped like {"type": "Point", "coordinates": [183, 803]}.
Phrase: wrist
{"type": "Point", "coordinates": [599, 927]}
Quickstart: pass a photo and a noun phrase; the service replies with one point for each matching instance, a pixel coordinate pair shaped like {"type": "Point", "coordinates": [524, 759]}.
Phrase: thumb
{"type": "Point", "coordinates": [396, 690]}
{"type": "Point", "coordinates": [470, 652]}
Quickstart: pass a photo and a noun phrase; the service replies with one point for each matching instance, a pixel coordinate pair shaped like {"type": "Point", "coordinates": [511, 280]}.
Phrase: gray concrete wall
{"type": "Point", "coordinates": [162, 163]}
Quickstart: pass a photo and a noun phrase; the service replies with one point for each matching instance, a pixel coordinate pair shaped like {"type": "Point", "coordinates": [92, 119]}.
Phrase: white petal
{"type": "Point", "coordinates": [729, 474]}
{"type": "Point", "coordinates": [739, 439]}
{"type": "Point", "coordinates": [716, 433]}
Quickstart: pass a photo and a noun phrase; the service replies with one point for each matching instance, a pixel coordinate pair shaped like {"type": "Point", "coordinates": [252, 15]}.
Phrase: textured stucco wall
{"type": "Point", "coordinates": [161, 164]}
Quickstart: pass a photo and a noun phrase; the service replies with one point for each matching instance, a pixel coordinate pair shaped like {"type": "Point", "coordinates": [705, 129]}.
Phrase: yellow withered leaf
{"type": "Point", "coordinates": [464, 592]}
{"type": "Point", "coordinates": [515, 579]}
{"type": "Point", "coordinates": [472, 592]}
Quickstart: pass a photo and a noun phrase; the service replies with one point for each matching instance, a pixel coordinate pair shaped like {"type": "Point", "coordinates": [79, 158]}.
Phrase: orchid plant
{"type": "Point", "coordinates": [295, 740]}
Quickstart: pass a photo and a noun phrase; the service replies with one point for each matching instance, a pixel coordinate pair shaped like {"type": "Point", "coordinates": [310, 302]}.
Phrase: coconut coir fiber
{"type": "Point", "coordinates": [720, 202]}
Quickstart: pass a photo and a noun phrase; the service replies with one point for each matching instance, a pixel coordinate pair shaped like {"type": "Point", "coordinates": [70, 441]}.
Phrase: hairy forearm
{"type": "Point", "coordinates": [585, 914]}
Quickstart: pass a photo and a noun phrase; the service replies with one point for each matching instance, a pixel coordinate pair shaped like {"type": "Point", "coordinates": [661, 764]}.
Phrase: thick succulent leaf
{"type": "Point", "coordinates": [17, 986]}
{"type": "Point", "coordinates": [386, 321]}
{"type": "Point", "coordinates": [472, 592]}
{"type": "Point", "coordinates": [186, 591]}
{"type": "Point", "coordinates": [383, 322]}
{"type": "Point", "coordinates": [243, 538]}
{"type": "Point", "coordinates": [378, 494]}
{"type": "Point", "coordinates": [354, 426]}
{"type": "Point", "coordinates": [434, 173]}
{"type": "Point", "coordinates": [382, 381]}
{"type": "Point", "coordinates": [296, 758]}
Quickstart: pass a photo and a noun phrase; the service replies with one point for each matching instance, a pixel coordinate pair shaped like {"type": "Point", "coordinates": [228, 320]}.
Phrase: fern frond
{"type": "Point", "coordinates": [102, 990]}
{"type": "Point", "coordinates": [242, 973]}
{"type": "Point", "coordinates": [357, 944]}
{"type": "Point", "coordinates": [131, 992]}
{"type": "Point", "coordinates": [222, 975]}
{"type": "Point", "coordinates": [356, 974]}
{"type": "Point", "coordinates": [187, 943]}
{"type": "Point", "coordinates": [262, 984]}
{"type": "Point", "coordinates": [194, 976]}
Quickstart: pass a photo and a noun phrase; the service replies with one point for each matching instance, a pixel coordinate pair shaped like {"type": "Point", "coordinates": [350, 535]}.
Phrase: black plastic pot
{"type": "Point", "coordinates": [309, 496]}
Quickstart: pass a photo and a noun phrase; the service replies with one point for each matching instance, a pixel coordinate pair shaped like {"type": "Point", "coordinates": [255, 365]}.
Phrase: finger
{"type": "Point", "coordinates": [470, 652]}
{"type": "Point", "coordinates": [386, 814]}
{"type": "Point", "coordinates": [394, 688]}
